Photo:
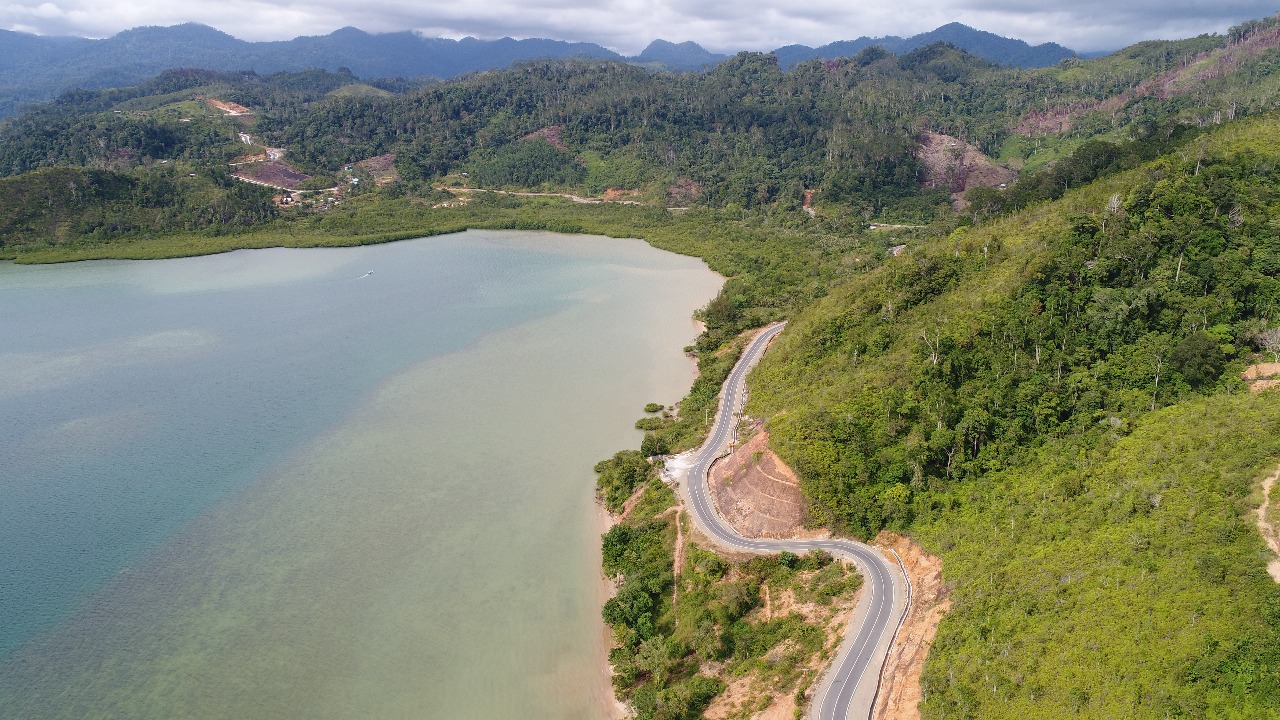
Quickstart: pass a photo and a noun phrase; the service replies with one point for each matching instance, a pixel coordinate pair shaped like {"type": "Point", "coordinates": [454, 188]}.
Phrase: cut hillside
{"type": "Point", "coordinates": [1263, 376]}
{"type": "Point", "coordinates": [757, 493]}
{"type": "Point", "coordinates": [1184, 68]}
{"type": "Point", "coordinates": [900, 689]}
{"type": "Point", "coordinates": [231, 109]}
{"type": "Point", "coordinates": [552, 135]}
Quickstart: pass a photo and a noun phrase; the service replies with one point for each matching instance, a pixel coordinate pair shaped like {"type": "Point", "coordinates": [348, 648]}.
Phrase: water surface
{"type": "Point", "coordinates": [322, 483]}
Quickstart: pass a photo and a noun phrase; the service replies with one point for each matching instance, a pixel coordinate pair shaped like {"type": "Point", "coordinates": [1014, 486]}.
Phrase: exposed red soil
{"type": "Point", "coordinates": [229, 108]}
{"type": "Point", "coordinates": [900, 691]}
{"type": "Point", "coordinates": [1262, 376]}
{"type": "Point", "coordinates": [246, 159]}
{"type": "Point", "coordinates": [957, 166]}
{"type": "Point", "coordinates": [757, 493]}
{"type": "Point", "coordinates": [618, 195]}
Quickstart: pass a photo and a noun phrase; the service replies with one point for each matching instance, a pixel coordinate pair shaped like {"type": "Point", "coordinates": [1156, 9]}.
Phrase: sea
{"type": "Point", "coordinates": [324, 483]}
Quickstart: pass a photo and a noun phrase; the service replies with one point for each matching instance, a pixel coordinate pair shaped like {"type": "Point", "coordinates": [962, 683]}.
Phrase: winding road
{"type": "Point", "coordinates": [848, 689]}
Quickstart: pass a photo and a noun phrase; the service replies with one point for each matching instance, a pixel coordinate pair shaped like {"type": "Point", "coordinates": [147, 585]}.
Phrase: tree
{"type": "Point", "coordinates": [619, 476]}
{"type": "Point", "coordinates": [1269, 340]}
{"type": "Point", "coordinates": [652, 445]}
{"type": "Point", "coordinates": [1198, 358]}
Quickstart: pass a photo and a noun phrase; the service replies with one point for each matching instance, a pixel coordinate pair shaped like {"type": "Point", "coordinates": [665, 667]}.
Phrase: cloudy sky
{"type": "Point", "coordinates": [628, 25]}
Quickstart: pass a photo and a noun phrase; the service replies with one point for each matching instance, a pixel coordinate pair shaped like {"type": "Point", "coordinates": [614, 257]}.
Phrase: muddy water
{"type": "Point", "coordinates": [323, 483]}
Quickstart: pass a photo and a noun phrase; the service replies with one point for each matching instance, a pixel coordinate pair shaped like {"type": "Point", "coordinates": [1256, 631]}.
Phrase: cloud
{"type": "Point", "coordinates": [1105, 24]}
{"type": "Point", "coordinates": [629, 25]}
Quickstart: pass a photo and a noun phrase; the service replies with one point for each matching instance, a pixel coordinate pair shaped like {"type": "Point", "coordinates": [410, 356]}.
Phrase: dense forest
{"type": "Point", "coordinates": [1037, 379]}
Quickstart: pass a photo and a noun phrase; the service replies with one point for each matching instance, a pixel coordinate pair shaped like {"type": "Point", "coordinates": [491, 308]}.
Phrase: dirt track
{"type": "Point", "coordinates": [1267, 525]}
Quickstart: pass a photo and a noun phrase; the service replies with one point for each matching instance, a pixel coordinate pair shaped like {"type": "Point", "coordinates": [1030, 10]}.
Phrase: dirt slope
{"type": "Point", "coordinates": [1261, 377]}
{"type": "Point", "coordinates": [956, 165]}
{"type": "Point", "coordinates": [900, 693]}
{"type": "Point", "coordinates": [757, 493]}
{"type": "Point", "coordinates": [274, 173]}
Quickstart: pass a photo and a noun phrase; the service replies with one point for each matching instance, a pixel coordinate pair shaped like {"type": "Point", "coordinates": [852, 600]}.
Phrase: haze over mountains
{"type": "Point", "coordinates": [36, 68]}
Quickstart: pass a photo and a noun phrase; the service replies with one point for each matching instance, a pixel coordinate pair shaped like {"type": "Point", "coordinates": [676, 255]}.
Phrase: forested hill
{"type": "Point", "coordinates": [846, 137]}
{"type": "Point", "coordinates": [35, 68]}
{"type": "Point", "coordinates": [1051, 401]}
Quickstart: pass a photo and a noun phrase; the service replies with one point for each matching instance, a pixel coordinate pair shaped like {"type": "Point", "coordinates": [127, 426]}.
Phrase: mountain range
{"type": "Point", "coordinates": [996, 48]}
{"type": "Point", "coordinates": [36, 68]}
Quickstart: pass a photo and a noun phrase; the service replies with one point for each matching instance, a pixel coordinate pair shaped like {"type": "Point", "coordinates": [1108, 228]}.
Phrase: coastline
{"type": "Point", "coordinates": [611, 708]}
{"type": "Point", "coordinates": [546, 214]}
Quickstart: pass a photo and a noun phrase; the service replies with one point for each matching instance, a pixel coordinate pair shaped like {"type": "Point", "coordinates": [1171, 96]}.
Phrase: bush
{"type": "Point", "coordinates": [653, 445]}
{"type": "Point", "coordinates": [619, 476]}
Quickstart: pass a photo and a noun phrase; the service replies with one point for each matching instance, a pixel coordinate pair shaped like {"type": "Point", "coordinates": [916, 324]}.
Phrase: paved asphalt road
{"type": "Point", "coordinates": [849, 687]}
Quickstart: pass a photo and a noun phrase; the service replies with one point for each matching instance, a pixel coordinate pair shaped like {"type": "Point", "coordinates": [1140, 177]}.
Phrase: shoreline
{"type": "Point", "coordinates": [611, 708]}
{"type": "Point", "coordinates": [551, 214]}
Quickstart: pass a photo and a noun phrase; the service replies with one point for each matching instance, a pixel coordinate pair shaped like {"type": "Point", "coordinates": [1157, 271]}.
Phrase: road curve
{"type": "Point", "coordinates": [849, 687]}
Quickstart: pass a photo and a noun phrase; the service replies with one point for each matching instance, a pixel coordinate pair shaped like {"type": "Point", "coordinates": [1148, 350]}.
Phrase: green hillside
{"type": "Point", "coordinates": [1122, 578]}
{"type": "Point", "coordinates": [941, 365]}
{"type": "Point", "coordinates": [85, 207]}
{"type": "Point", "coordinates": [992, 393]}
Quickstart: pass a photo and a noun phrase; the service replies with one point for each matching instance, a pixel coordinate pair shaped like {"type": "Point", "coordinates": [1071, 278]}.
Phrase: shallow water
{"type": "Point", "coordinates": [267, 484]}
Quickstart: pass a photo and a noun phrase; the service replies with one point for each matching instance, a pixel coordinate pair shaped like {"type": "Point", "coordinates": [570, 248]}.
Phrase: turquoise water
{"type": "Point", "coordinates": [271, 484]}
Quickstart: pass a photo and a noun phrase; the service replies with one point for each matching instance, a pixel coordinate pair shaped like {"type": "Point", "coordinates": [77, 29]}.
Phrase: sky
{"type": "Point", "coordinates": [627, 26]}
